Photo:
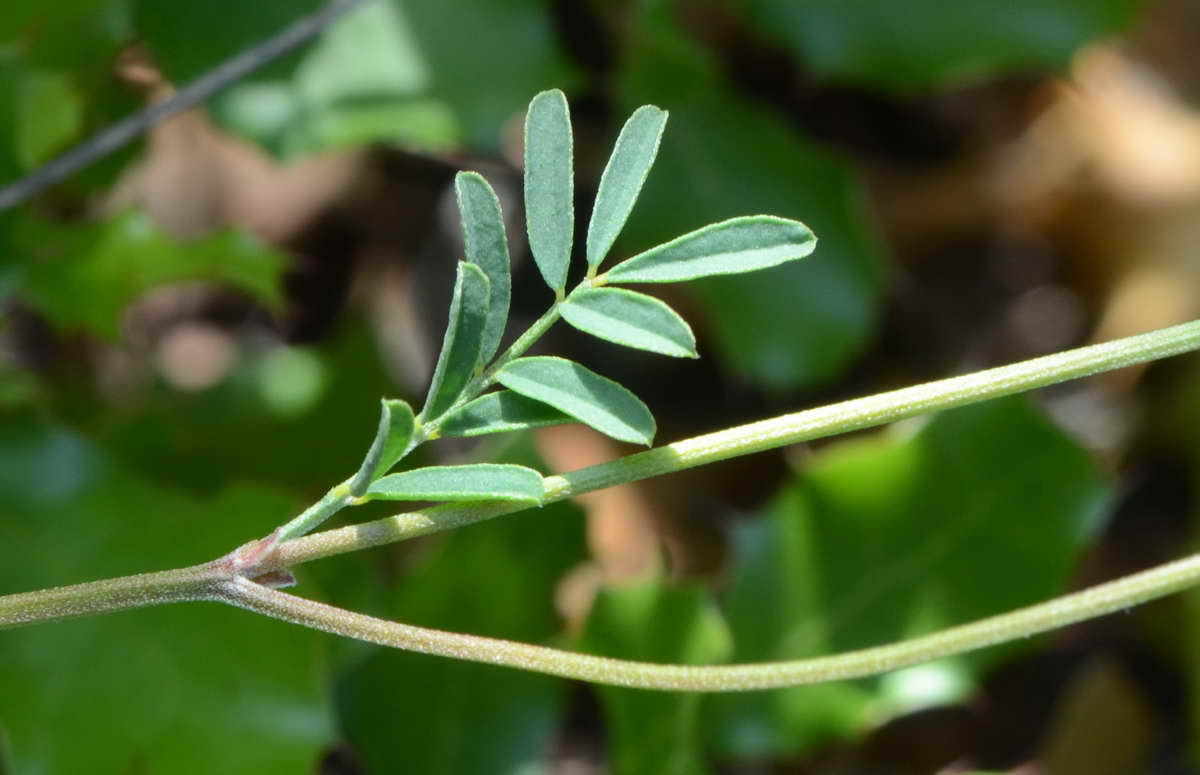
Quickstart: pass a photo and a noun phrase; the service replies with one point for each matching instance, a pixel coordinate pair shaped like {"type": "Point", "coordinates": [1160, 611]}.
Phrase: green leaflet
{"type": "Point", "coordinates": [396, 426]}
{"type": "Point", "coordinates": [738, 245]}
{"type": "Point", "coordinates": [480, 482]}
{"type": "Point", "coordinates": [461, 345]}
{"type": "Point", "coordinates": [549, 185]}
{"type": "Point", "coordinates": [622, 180]}
{"type": "Point", "coordinates": [499, 412]}
{"type": "Point", "coordinates": [585, 395]}
{"type": "Point", "coordinates": [486, 247]}
{"type": "Point", "coordinates": [629, 318]}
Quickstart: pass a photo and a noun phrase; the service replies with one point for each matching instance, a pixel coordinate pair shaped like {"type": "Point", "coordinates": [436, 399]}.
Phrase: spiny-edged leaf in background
{"type": "Point", "coordinates": [499, 412]}
{"type": "Point", "coordinates": [585, 395]}
{"type": "Point", "coordinates": [476, 482]}
{"type": "Point", "coordinates": [486, 246]}
{"type": "Point", "coordinates": [967, 41]}
{"type": "Point", "coordinates": [893, 536]}
{"type": "Point", "coordinates": [407, 712]}
{"type": "Point", "coordinates": [738, 245]}
{"type": "Point", "coordinates": [652, 622]}
{"type": "Point", "coordinates": [629, 318]}
{"type": "Point", "coordinates": [238, 693]}
{"type": "Point", "coordinates": [396, 426]}
{"type": "Point", "coordinates": [460, 346]}
{"type": "Point", "coordinates": [549, 185]}
{"type": "Point", "coordinates": [622, 180]}
{"type": "Point", "coordinates": [85, 276]}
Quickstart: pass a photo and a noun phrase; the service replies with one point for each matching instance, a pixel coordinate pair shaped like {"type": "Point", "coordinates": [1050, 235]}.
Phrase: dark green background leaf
{"type": "Point", "coordinates": [787, 328]}
{"type": "Point", "coordinates": [928, 43]}
{"type": "Point", "coordinates": [85, 276]}
{"type": "Point", "coordinates": [653, 622]}
{"type": "Point", "coordinates": [983, 510]}
{"type": "Point", "coordinates": [432, 715]}
{"type": "Point", "coordinates": [192, 688]}
{"type": "Point", "coordinates": [486, 59]}
{"type": "Point", "coordinates": [50, 115]}
{"type": "Point", "coordinates": [188, 39]}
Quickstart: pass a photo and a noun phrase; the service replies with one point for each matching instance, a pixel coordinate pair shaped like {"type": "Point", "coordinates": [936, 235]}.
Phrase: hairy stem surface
{"type": "Point", "coordinates": [199, 582]}
{"type": "Point", "coordinates": [807, 425]}
{"type": "Point", "coordinates": [1022, 623]}
{"type": "Point", "coordinates": [226, 579]}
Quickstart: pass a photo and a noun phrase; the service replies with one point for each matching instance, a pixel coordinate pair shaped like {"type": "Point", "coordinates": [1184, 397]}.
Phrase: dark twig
{"type": "Point", "coordinates": [199, 90]}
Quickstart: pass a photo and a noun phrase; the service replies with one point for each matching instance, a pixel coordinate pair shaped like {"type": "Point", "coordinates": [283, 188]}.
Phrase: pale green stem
{"type": "Point", "coordinates": [768, 434]}
{"type": "Point", "coordinates": [198, 582]}
{"type": "Point", "coordinates": [226, 579]}
{"type": "Point", "coordinates": [536, 331]}
{"type": "Point", "coordinates": [1022, 623]}
{"type": "Point", "coordinates": [332, 502]}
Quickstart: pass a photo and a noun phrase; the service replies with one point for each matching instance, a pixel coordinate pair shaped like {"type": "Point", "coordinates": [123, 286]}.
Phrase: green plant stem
{"type": "Point", "coordinates": [199, 582]}
{"type": "Point", "coordinates": [340, 497]}
{"type": "Point", "coordinates": [536, 331]}
{"type": "Point", "coordinates": [226, 579]}
{"type": "Point", "coordinates": [768, 434]}
{"type": "Point", "coordinates": [1022, 623]}
{"type": "Point", "coordinates": [332, 502]}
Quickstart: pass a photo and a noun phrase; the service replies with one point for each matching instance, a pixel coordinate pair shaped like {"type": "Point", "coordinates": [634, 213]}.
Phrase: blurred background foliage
{"type": "Point", "coordinates": [196, 331]}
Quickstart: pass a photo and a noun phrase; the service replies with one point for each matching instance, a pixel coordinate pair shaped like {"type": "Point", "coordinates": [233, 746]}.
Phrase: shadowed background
{"type": "Point", "coordinates": [196, 332]}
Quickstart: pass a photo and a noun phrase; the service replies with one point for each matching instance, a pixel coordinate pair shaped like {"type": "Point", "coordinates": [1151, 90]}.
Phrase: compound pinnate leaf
{"type": "Point", "coordinates": [622, 180]}
{"type": "Point", "coordinates": [585, 395]}
{"type": "Point", "coordinates": [463, 340]}
{"type": "Point", "coordinates": [630, 318]}
{"type": "Point", "coordinates": [396, 426]}
{"type": "Point", "coordinates": [738, 245]}
{"type": "Point", "coordinates": [479, 482]}
{"type": "Point", "coordinates": [487, 247]}
{"type": "Point", "coordinates": [500, 412]}
{"type": "Point", "coordinates": [549, 185]}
